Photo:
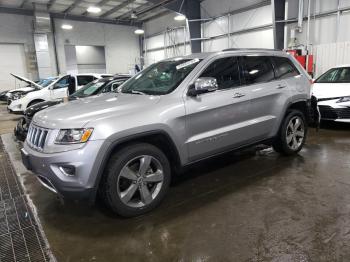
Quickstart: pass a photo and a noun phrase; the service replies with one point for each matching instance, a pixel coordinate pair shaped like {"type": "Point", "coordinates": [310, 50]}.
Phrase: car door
{"type": "Point", "coordinates": [59, 89]}
{"type": "Point", "coordinates": [268, 94]}
{"type": "Point", "coordinates": [217, 120]}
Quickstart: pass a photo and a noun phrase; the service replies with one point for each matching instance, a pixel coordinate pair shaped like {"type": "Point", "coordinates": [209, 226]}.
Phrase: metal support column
{"type": "Point", "coordinates": [278, 28]}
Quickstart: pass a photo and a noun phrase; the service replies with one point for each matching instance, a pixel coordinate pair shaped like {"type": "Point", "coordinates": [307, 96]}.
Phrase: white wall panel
{"type": "Point", "coordinates": [120, 42]}
{"type": "Point", "coordinates": [215, 44]}
{"type": "Point", "coordinates": [258, 39]}
{"type": "Point", "coordinates": [215, 27]}
{"type": "Point", "coordinates": [322, 31]}
{"type": "Point", "coordinates": [214, 8]}
{"type": "Point", "coordinates": [253, 18]}
{"type": "Point", "coordinates": [155, 41]}
{"type": "Point", "coordinates": [17, 29]}
{"type": "Point", "coordinates": [330, 55]}
{"type": "Point", "coordinates": [12, 60]}
{"type": "Point", "coordinates": [344, 3]}
{"type": "Point", "coordinates": [161, 24]}
{"type": "Point", "coordinates": [154, 56]}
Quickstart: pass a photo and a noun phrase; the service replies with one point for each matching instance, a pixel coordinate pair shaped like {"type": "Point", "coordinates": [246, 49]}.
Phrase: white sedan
{"type": "Point", "coordinates": [332, 90]}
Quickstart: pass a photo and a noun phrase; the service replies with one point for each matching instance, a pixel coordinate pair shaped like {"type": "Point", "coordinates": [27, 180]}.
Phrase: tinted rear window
{"type": "Point", "coordinates": [257, 69]}
{"type": "Point", "coordinates": [284, 68]}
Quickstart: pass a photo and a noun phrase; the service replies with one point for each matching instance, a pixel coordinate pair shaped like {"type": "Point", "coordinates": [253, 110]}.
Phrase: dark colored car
{"type": "Point", "coordinates": [3, 96]}
{"type": "Point", "coordinates": [98, 86]}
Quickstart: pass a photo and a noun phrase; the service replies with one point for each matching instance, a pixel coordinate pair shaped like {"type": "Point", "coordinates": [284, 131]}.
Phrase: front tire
{"type": "Point", "coordinates": [136, 180]}
{"type": "Point", "coordinates": [292, 134]}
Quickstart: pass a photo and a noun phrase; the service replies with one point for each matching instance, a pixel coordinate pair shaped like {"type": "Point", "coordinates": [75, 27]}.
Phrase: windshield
{"type": "Point", "coordinates": [335, 75]}
{"type": "Point", "coordinates": [90, 89]}
{"type": "Point", "coordinates": [46, 82]}
{"type": "Point", "coordinates": [160, 78]}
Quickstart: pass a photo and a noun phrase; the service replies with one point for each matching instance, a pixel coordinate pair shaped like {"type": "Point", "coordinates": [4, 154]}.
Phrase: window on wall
{"type": "Point", "coordinates": [284, 68]}
{"type": "Point", "coordinates": [257, 69]}
{"type": "Point", "coordinates": [226, 72]}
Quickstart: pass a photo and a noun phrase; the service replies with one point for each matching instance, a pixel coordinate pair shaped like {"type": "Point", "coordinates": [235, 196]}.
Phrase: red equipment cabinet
{"type": "Point", "coordinates": [302, 60]}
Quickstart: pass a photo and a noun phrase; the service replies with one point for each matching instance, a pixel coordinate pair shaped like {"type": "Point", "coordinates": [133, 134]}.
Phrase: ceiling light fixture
{"type": "Point", "coordinates": [67, 27]}
{"type": "Point", "coordinates": [139, 31]}
{"type": "Point", "coordinates": [133, 15]}
{"type": "Point", "coordinates": [180, 17]}
{"type": "Point", "coordinates": [94, 9]}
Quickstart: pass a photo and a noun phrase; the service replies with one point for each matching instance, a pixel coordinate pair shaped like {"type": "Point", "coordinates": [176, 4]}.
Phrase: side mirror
{"type": "Point", "coordinates": [203, 85]}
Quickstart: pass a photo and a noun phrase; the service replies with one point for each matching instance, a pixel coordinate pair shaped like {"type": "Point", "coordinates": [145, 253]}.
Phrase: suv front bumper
{"type": "Point", "coordinates": [50, 170]}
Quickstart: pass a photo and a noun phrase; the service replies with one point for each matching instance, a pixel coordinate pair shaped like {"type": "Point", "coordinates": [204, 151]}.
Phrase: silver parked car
{"type": "Point", "coordinates": [126, 145]}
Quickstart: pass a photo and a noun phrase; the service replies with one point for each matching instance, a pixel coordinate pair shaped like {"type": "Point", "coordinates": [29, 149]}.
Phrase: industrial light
{"type": "Point", "coordinates": [94, 9]}
{"type": "Point", "coordinates": [133, 15]}
{"type": "Point", "coordinates": [67, 27]}
{"type": "Point", "coordinates": [139, 31]}
{"type": "Point", "coordinates": [180, 17]}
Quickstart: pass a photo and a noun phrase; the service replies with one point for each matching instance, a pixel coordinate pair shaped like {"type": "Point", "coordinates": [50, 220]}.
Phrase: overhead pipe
{"type": "Point", "coordinates": [300, 15]}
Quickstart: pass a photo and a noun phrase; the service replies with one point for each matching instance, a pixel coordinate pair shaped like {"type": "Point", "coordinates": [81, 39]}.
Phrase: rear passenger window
{"type": "Point", "coordinates": [257, 69]}
{"type": "Point", "coordinates": [284, 68]}
{"type": "Point", "coordinates": [226, 72]}
{"type": "Point", "coordinates": [83, 80]}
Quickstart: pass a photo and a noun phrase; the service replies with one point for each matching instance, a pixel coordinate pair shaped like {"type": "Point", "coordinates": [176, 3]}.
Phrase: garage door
{"type": "Point", "coordinates": [12, 60]}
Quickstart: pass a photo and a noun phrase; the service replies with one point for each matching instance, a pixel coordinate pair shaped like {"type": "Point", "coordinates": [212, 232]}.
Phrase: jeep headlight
{"type": "Point", "coordinates": [344, 99]}
{"type": "Point", "coordinates": [73, 136]}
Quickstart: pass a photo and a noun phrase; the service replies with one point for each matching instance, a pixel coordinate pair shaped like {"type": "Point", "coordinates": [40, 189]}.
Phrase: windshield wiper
{"type": "Point", "coordinates": [135, 92]}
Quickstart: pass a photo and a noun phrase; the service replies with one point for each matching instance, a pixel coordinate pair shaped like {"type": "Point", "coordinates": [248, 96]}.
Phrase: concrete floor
{"type": "Point", "coordinates": [7, 121]}
{"type": "Point", "coordinates": [248, 206]}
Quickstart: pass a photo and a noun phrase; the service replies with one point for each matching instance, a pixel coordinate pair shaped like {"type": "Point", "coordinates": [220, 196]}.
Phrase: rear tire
{"type": "Point", "coordinates": [136, 180]}
{"type": "Point", "coordinates": [292, 134]}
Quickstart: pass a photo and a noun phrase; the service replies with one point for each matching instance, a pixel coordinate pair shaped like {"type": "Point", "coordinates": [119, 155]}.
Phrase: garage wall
{"type": "Point", "coordinates": [164, 38]}
{"type": "Point", "coordinates": [12, 60]}
{"type": "Point", "coordinates": [328, 36]}
{"type": "Point", "coordinates": [249, 29]}
{"type": "Point", "coordinates": [17, 29]}
{"type": "Point", "coordinates": [121, 44]}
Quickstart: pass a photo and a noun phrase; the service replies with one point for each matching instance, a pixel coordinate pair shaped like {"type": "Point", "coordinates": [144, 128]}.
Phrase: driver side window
{"type": "Point", "coordinates": [226, 72]}
{"type": "Point", "coordinates": [64, 82]}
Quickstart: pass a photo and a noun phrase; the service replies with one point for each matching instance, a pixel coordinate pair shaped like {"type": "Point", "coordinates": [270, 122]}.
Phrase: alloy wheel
{"type": "Point", "coordinates": [140, 181]}
{"type": "Point", "coordinates": [295, 132]}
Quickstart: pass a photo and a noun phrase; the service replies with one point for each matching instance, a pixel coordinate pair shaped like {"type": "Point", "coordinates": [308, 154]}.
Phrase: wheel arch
{"type": "Point", "coordinates": [158, 138]}
{"type": "Point", "coordinates": [34, 101]}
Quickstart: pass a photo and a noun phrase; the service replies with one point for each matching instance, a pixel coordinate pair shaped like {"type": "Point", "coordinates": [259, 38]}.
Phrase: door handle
{"type": "Point", "coordinates": [238, 95]}
{"type": "Point", "coordinates": [281, 86]}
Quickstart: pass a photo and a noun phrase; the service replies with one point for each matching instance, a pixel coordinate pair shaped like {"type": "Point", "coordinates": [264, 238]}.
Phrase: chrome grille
{"type": "Point", "coordinates": [36, 137]}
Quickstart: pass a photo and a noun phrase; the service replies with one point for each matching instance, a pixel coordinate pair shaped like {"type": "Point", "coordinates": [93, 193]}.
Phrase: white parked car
{"type": "Point", "coordinates": [332, 90]}
{"type": "Point", "coordinates": [30, 86]}
{"type": "Point", "coordinates": [55, 90]}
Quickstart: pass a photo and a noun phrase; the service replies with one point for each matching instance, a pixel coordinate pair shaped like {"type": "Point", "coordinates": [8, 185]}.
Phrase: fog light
{"type": "Point", "coordinates": [68, 170]}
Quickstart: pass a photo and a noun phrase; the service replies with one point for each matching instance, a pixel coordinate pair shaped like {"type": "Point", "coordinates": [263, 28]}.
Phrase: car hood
{"type": "Point", "coordinates": [21, 78]}
{"type": "Point", "coordinates": [329, 90]}
{"type": "Point", "coordinates": [22, 89]}
{"type": "Point", "coordinates": [78, 113]}
{"type": "Point", "coordinates": [30, 111]}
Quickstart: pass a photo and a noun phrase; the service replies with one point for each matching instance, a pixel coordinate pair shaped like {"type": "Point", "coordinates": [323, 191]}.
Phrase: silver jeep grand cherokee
{"type": "Point", "coordinates": [126, 146]}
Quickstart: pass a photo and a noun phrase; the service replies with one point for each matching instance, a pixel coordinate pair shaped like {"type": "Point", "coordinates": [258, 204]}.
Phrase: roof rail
{"type": "Point", "coordinates": [252, 49]}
